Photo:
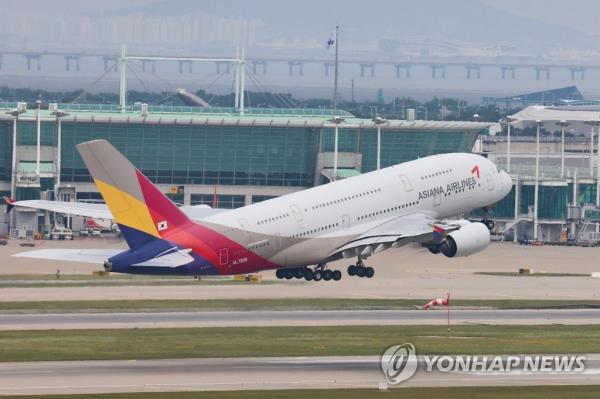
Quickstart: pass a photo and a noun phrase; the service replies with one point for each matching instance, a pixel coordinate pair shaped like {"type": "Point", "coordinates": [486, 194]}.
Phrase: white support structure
{"type": "Point", "coordinates": [537, 182]}
{"type": "Point", "coordinates": [508, 147]}
{"type": "Point", "coordinates": [13, 183]}
{"type": "Point", "coordinates": [123, 79]}
{"type": "Point", "coordinates": [242, 94]}
{"type": "Point", "coordinates": [592, 132]}
{"type": "Point", "coordinates": [335, 153]}
{"type": "Point", "coordinates": [237, 61]}
{"type": "Point", "coordinates": [378, 146]}
{"type": "Point", "coordinates": [517, 193]}
{"type": "Point", "coordinates": [236, 101]}
{"type": "Point", "coordinates": [38, 145]}
{"type": "Point", "coordinates": [59, 116]}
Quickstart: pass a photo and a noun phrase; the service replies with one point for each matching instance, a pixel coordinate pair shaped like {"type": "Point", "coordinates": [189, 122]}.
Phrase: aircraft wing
{"type": "Point", "coordinates": [97, 256]}
{"type": "Point", "coordinates": [99, 211]}
{"type": "Point", "coordinates": [416, 227]}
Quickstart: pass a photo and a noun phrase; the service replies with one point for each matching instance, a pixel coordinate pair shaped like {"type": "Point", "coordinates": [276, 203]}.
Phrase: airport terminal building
{"type": "Point", "coordinates": [199, 154]}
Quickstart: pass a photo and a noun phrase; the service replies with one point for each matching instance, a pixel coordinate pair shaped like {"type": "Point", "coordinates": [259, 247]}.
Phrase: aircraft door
{"type": "Point", "coordinates": [224, 256]}
{"type": "Point", "coordinates": [297, 213]}
{"type": "Point", "coordinates": [345, 222]}
{"type": "Point", "coordinates": [277, 242]}
{"type": "Point", "coordinates": [490, 182]}
{"type": "Point", "coordinates": [408, 187]}
{"type": "Point", "coordinates": [437, 200]}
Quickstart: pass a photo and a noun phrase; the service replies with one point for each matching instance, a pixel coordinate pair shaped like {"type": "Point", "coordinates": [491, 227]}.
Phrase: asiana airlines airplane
{"type": "Point", "coordinates": [297, 234]}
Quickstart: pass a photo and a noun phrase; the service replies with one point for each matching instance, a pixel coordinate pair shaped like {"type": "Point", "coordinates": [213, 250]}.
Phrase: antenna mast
{"type": "Point", "coordinates": [335, 81]}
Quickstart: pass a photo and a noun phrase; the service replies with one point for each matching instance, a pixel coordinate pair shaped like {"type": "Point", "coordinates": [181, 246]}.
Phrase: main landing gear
{"type": "Point", "coordinates": [317, 274]}
{"type": "Point", "coordinates": [360, 270]}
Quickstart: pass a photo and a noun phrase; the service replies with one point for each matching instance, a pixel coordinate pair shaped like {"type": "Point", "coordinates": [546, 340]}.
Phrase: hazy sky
{"type": "Point", "coordinates": [521, 23]}
{"type": "Point", "coordinates": [576, 14]}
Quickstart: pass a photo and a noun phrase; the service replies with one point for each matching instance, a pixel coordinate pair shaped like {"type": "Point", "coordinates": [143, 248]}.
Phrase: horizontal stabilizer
{"type": "Point", "coordinates": [174, 259]}
{"type": "Point", "coordinates": [97, 256]}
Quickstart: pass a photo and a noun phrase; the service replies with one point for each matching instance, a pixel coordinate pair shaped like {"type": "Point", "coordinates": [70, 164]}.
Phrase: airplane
{"type": "Point", "coordinates": [297, 234]}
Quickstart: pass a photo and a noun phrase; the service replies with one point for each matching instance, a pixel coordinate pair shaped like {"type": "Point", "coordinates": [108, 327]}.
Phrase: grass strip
{"type": "Point", "coordinates": [533, 392]}
{"type": "Point", "coordinates": [167, 343]}
{"type": "Point", "coordinates": [157, 305]}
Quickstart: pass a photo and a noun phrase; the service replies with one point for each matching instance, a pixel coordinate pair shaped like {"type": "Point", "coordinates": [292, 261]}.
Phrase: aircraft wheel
{"type": "Point", "coordinates": [360, 271]}
{"type": "Point", "coordinates": [352, 270]}
{"type": "Point", "coordinates": [280, 273]}
{"type": "Point", "coordinates": [327, 275]}
{"type": "Point", "coordinates": [309, 275]}
{"type": "Point", "coordinates": [490, 224]}
{"type": "Point", "coordinates": [369, 272]}
{"type": "Point", "coordinates": [289, 274]}
{"type": "Point", "coordinates": [318, 275]}
{"type": "Point", "coordinates": [299, 273]}
{"type": "Point", "coordinates": [337, 275]}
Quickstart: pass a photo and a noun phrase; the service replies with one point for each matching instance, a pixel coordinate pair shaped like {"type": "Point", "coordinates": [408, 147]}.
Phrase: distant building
{"type": "Point", "coordinates": [188, 151]}
{"type": "Point", "coordinates": [562, 95]}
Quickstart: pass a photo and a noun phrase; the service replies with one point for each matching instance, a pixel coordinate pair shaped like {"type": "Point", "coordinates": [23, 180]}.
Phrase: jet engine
{"type": "Point", "coordinates": [469, 239]}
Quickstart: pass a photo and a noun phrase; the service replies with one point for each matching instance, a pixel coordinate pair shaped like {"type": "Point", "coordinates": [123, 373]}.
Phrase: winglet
{"type": "Point", "coordinates": [10, 204]}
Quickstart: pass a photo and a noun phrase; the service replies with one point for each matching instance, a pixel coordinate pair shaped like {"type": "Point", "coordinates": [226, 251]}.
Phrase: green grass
{"type": "Point", "coordinates": [272, 304]}
{"type": "Point", "coordinates": [292, 341]}
{"type": "Point", "coordinates": [535, 392]}
{"type": "Point", "coordinates": [76, 280]}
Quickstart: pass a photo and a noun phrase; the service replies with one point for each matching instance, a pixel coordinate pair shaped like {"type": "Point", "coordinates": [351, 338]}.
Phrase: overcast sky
{"type": "Point", "coordinates": [526, 23]}
{"type": "Point", "coordinates": [578, 14]}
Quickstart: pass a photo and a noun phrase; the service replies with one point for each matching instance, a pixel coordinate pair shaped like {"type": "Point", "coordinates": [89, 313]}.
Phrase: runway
{"type": "Point", "coordinates": [245, 373]}
{"type": "Point", "coordinates": [296, 318]}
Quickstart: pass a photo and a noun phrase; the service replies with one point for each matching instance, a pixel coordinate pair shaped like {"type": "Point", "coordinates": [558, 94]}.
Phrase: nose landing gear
{"type": "Point", "coordinates": [489, 223]}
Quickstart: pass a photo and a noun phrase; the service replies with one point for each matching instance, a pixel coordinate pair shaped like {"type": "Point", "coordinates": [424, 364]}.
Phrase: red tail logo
{"type": "Point", "coordinates": [475, 170]}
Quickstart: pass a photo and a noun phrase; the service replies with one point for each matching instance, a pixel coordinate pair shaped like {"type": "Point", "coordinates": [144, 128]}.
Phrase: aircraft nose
{"type": "Point", "coordinates": [506, 182]}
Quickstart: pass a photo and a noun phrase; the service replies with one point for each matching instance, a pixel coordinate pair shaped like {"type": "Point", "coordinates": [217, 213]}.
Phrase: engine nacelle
{"type": "Point", "coordinates": [468, 240]}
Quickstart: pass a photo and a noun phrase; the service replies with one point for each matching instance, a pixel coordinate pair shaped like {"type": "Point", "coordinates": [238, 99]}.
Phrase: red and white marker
{"type": "Point", "coordinates": [436, 302]}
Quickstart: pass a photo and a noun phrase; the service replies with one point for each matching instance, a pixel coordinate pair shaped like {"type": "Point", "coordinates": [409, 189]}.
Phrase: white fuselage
{"type": "Point", "coordinates": [305, 227]}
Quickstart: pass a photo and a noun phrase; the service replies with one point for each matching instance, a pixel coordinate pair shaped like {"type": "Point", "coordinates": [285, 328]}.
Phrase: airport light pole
{"type": "Point", "coordinates": [39, 137]}
{"type": "Point", "coordinates": [563, 123]}
{"type": "Point", "coordinates": [379, 121]}
{"type": "Point", "coordinates": [13, 186]}
{"type": "Point", "coordinates": [59, 115]}
{"type": "Point", "coordinates": [539, 123]}
{"type": "Point", "coordinates": [336, 121]}
{"type": "Point", "coordinates": [508, 121]}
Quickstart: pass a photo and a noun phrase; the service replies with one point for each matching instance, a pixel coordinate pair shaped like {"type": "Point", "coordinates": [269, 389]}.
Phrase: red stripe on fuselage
{"type": "Point", "coordinates": [203, 241]}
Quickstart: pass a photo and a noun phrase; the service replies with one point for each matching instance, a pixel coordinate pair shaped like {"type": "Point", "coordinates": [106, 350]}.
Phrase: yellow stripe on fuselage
{"type": "Point", "coordinates": [126, 209]}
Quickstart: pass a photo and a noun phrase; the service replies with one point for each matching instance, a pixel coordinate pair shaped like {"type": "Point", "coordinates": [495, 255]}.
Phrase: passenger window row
{"type": "Point", "coordinates": [259, 244]}
{"type": "Point", "coordinates": [317, 230]}
{"type": "Point", "coordinates": [274, 218]}
{"type": "Point", "coordinates": [388, 210]}
{"type": "Point", "coordinates": [347, 198]}
{"type": "Point", "coordinates": [435, 174]}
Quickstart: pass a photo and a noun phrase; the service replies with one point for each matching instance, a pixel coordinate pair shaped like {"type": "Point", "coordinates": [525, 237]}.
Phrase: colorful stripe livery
{"type": "Point", "coordinates": [153, 226]}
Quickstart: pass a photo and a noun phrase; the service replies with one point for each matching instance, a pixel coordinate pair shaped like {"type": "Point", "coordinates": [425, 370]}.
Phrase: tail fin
{"type": "Point", "coordinates": [142, 212]}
